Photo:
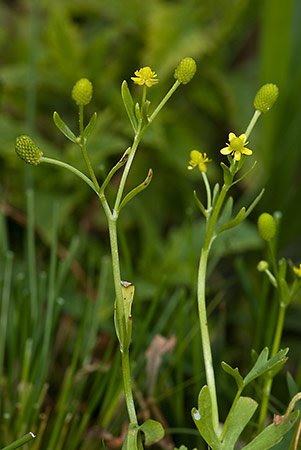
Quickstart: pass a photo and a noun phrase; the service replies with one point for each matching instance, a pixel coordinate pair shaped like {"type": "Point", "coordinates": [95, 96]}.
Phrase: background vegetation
{"type": "Point", "coordinates": [59, 364]}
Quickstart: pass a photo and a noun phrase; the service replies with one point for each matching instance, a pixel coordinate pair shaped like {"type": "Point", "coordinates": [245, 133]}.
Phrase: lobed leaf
{"type": "Point", "coordinates": [263, 364]}
{"type": "Point", "coordinates": [234, 373]}
{"type": "Point", "coordinates": [153, 431]}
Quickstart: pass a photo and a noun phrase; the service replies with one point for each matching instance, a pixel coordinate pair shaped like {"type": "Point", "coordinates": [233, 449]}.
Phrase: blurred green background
{"type": "Point", "coordinates": [45, 47]}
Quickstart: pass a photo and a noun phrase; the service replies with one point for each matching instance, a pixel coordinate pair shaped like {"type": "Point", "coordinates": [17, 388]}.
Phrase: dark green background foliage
{"type": "Point", "coordinates": [45, 47]}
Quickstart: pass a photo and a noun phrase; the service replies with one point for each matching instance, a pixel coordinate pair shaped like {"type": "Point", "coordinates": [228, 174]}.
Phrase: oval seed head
{"type": "Point", "coordinates": [28, 151]}
{"type": "Point", "coordinates": [262, 265]}
{"type": "Point", "coordinates": [185, 70]}
{"type": "Point", "coordinates": [266, 97]}
{"type": "Point", "coordinates": [82, 92]}
{"type": "Point", "coordinates": [266, 226]}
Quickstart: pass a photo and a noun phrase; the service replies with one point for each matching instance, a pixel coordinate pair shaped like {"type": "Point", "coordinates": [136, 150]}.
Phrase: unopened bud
{"type": "Point", "coordinates": [266, 226]}
{"type": "Point", "coordinates": [28, 151]}
{"type": "Point", "coordinates": [185, 70]}
{"type": "Point", "coordinates": [82, 92]}
{"type": "Point", "coordinates": [262, 266]}
{"type": "Point", "coordinates": [266, 97]}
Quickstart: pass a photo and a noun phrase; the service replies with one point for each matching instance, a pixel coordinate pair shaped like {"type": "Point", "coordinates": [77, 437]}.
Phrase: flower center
{"type": "Point", "coordinates": [236, 144]}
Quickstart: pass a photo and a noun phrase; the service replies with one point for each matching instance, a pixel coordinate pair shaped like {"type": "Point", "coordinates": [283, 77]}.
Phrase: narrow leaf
{"type": "Point", "coordinates": [240, 417]}
{"type": "Point", "coordinates": [89, 128]}
{"type": "Point", "coordinates": [129, 104]}
{"type": "Point", "coordinates": [234, 373]}
{"type": "Point", "coordinates": [245, 174]}
{"type": "Point", "coordinates": [63, 127]}
{"type": "Point", "coordinates": [263, 364]}
{"type": "Point", "coordinates": [138, 112]}
{"type": "Point", "coordinates": [254, 203]}
{"type": "Point", "coordinates": [117, 166]}
{"type": "Point", "coordinates": [200, 204]}
{"type": "Point", "coordinates": [145, 111]}
{"type": "Point", "coordinates": [136, 190]}
{"type": "Point", "coordinates": [272, 434]}
{"type": "Point", "coordinates": [228, 177]}
{"type": "Point", "coordinates": [202, 418]}
{"type": "Point", "coordinates": [234, 222]}
{"type": "Point", "coordinates": [216, 190]}
{"type": "Point", "coordinates": [153, 431]}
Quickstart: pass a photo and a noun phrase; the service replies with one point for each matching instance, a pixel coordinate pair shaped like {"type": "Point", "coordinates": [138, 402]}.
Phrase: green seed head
{"type": "Point", "coordinates": [28, 151]}
{"type": "Point", "coordinates": [266, 97]}
{"type": "Point", "coordinates": [82, 92]}
{"type": "Point", "coordinates": [266, 226]}
{"type": "Point", "coordinates": [185, 70]}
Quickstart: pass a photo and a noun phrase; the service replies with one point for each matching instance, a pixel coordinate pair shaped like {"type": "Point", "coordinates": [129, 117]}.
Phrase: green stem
{"type": "Point", "coordinates": [121, 321]}
{"type": "Point", "coordinates": [83, 147]}
{"type": "Point", "coordinates": [251, 125]}
{"type": "Point", "coordinates": [28, 437]}
{"type": "Point", "coordinates": [225, 426]}
{"type": "Point", "coordinates": [77, 172]}
{"type": "Point", "coordinates": [201, 296]}
{"type": "Point", "coordinates": [126, 170]}
{"type": "Point", "coordinates": [165, 99]}
{"type": "Point", "coordinates": [269, 379]}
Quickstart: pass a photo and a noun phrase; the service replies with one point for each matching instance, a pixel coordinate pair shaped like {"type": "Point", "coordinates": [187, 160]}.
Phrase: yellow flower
{"type": "Point", "coordinates": [236, 146]}
{"type": "Point", "coordinates": [297, 270]}
{"type": "Point", "coordinates": [197, 159]}
{"type": "Point", "coordinates": [145, 76]}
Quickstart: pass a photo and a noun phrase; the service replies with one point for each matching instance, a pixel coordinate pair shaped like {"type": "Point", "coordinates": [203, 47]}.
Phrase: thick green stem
{"type": "Point", "coordinates": [121, 321]}
{"type": "Point", "coordinates": [202, 305]}
{"type": "Point", "coordinates": [266, 391]}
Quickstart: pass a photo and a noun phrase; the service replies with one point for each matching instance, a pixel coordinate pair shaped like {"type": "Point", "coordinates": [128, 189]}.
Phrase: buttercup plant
{"type": "Point", "coordinates": [206, 416]}
{"type": "Point", "coordinates": [140, 119]}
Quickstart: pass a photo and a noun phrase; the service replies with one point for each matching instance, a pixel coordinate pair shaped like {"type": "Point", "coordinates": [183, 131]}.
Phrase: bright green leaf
{"type": "Point", "coordinates": [129, 104]}
{"type": "Point", "coordinates": [137, 189]}
{"type": "Point", "coordinates": [234, 222]}
{"type": "Point", "coordinates": [202, 417]}
{"type": "Point", "coordinates": [228, 177]}
{"type": "Point", "coordinates": [63, 127]}
{"type": "Point", "coordinates": [89, 128]}
{"type": "Point", "coordinates": [272, 434]}
{"type": "Point", "coordinates": [200, 204]}
{"type": "Point", "coordinates": [234, 373]}
{"type": "Point", "coordinates": [153, 431]}
{"type": "Point", "coordinates": [240, 417]}
{"type": "Point", "coordinates": [263, 364]}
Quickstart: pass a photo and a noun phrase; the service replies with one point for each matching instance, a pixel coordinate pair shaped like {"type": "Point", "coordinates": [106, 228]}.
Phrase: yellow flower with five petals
{"type": "Point", "coordinates": [297, 270]}
{"type": "Point", "coordinates": [145, 76]}
{"type": "Point", "coordinates": [236, 146]}
{"type": "Point", "coordinates": [197, 159]}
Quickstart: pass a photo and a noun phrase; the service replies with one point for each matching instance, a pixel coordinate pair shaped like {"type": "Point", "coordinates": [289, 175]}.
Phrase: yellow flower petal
{"type": "Point", "coordinates": [246, 151]}
{"type": "Point", "coordinates": [226, 151]}
{"type": "Point", "coordinates": [237, 155]}
{"type": "Point", "coordinates": [243, 137]}
{"type": "Point", "coordinates": [232, 136]}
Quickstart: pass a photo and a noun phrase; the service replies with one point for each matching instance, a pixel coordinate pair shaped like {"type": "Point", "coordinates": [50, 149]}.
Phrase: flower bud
{"type": "Point", "coordinates": [262, 266]}
{"type": "Point", "coordinates": [28, 151]}
{"type": "Point", "coordinates": [266, 97]}
{"type": "Point", "coordinates": [82, 92]}
{"type": "Point", "coordinates": [185, 70]}
{"type": "Point", "coordinates": [266, 226]}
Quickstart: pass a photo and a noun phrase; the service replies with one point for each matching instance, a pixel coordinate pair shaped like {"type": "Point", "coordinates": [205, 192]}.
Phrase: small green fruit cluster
{"type": "Point", "coordinates": [28, 151]}
{"type": "Point", "coordinates": [82, 92]}
{"type": "Point", "coordinates": [266, 97]}
{"type": "Point", "coordinates": [185, 70]}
